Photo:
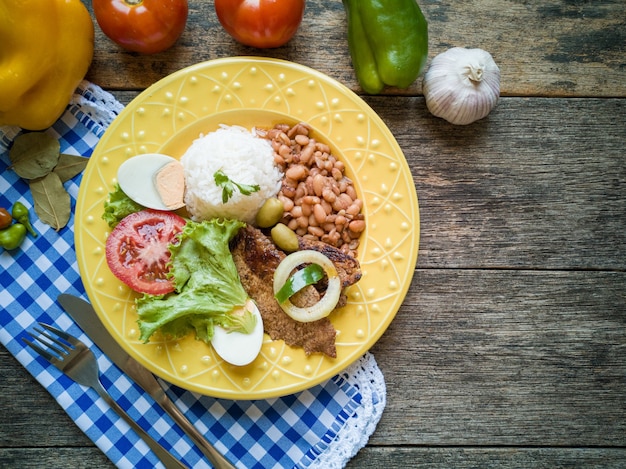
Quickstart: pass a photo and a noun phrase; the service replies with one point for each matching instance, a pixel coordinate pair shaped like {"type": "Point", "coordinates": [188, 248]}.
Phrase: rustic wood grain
{"type": "Point", "coordinates": [54, 458]}
{"type": "Point", "coordinates": [371, 458]}
{"type": "Point", "coordinates": [515, 358]}
{"type": "Point", "coordinates": [472, 458]}
{"type": "Point", "coordinates": [554, 48]}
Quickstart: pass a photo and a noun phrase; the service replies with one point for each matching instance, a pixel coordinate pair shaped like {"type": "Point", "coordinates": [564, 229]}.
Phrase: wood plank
{"type": "Point", "coordinates": [580, 54]}
{"type": "Point", "coordinates": [470, 458]}
{"type": "Point", "coordinates": [370, 457]}
{"type": "Point", "coordinates": [522, 358]}
{"type": "Point", "coordinates": [23, 417]}
{"type": "Point", "coordinates": [55, 457]}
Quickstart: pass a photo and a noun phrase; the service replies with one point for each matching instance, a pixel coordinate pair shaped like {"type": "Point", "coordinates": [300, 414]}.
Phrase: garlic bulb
{"type": "Point", "coordinates": [462, 85]}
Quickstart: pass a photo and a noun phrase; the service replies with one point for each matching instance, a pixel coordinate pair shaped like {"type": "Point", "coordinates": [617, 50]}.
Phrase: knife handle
{"type": "Point", "coordinates": [216, 458]}
{"type": "Point", "coordinates": [168, 460]}
{"type": "Point", "coordinates": [149, 383]}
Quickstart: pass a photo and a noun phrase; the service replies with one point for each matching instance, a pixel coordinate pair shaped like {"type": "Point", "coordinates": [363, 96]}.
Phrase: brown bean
{"type": "Point", "coordinates": [323, 147]}
{"type": "Point", "coordinates": [327, 207]}
{"type": "Point", "coordinates": [319, 183]}
{"type": "Point", "coordinates": [284, 151]}
{"type": "Point", "coordinates": [303, 128]}
{"type": "Point", "coordinates": [300, 192]}
{"type": "Point", "coordinates": [311, 200]}
{"type": "Point", "coordinates": [319, 213]}
{"type": "Point", "coordinates": [308, 183]}
{"type": "Point", "coordinates": [351, 191]}
{"type": "Point", "coordinates": [301, 139]}
{"type": "Point", "coordinates": [329, 195]}
{"type": "Point", "coordinates": [316, 231]}
{"type": "Point", "coordinates": [343, 185]}
{"type": "Point", "coordinates": [287, 202]}
{"type": "Point", "coordinates": [357, 226]}
{"type": "Point", "coordinates": [328, 227]}
{"type": "Point", "coordinates": [306, 154]}
{"type": "Point", "coordinates": [303, 221]}
{"type": "Point", "coordinates": [342, 202]}
{"type": "Point", "coordinates": [288, 191]}
{"type": "Point", "coordinates": [353, 209]}
{"type": "Point", "coordinates": [296, 172]}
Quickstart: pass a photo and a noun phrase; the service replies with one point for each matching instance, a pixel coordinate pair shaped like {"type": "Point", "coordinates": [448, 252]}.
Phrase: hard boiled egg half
{"type": "Point", "coordinates": [237, 348]}
{"type": "Point", "coordinates": [153, 180]}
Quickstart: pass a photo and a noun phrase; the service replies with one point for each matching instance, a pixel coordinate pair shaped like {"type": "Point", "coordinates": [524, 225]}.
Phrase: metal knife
{"type": "Point", "coordinates": [85, 316]}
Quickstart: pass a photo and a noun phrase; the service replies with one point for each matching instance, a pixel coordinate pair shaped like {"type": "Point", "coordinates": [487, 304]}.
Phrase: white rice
{"type": "Point", "coordinates": [244, 158]}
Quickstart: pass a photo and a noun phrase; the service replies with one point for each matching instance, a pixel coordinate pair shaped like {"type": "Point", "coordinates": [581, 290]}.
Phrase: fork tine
{"type": "Point", "coordinates": [44, 353]}
{"type": "Point", "coordinates": [64, 335]}
{"type": "Point", "coordinates": [66, 349]}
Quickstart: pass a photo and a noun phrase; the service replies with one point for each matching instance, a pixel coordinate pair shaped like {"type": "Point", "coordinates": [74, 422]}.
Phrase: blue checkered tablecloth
{"type": "Point", "coordinates": [321, 427]}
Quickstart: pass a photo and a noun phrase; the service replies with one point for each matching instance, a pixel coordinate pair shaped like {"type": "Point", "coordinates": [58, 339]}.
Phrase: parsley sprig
{"type": "Point", "coordinates": [228, 186]}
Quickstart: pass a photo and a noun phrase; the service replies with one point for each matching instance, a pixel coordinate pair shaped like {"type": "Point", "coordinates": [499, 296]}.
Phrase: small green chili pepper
{"type": "Point", "coordinates": [388, 42]}
{"type": "Point", "coordinates": [13, 236]}
{"type": "Point", "coordinates": [310, 275]}
{"type": "Point", "coordinates": [5, 218]}
{"type": "Point", "coordinates": [20, 213]}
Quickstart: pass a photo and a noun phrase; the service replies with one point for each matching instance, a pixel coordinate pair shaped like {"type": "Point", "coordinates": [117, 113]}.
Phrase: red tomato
{"type": "Point", "coordinates": [137, 250]}
{"type": "Point", "coordinates": [260, 23]}
{"type": "Point", "coordinates": [146, 26]}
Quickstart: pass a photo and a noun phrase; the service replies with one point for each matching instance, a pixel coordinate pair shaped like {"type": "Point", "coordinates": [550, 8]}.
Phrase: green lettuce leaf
{"type": "Point", "coordinates": [117, 206]}
{"type": "Point", "coordinates": [207, 286]}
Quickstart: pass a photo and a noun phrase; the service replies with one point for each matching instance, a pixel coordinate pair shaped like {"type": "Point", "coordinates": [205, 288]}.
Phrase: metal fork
{"type": "Point", "coordinates": [79, 363]}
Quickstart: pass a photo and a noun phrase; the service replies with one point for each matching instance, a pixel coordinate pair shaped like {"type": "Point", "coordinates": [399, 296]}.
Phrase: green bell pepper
{"type": "Point", "coordinates": [388, 41]}
{"type": "Point", "coordinates": [310, 275]}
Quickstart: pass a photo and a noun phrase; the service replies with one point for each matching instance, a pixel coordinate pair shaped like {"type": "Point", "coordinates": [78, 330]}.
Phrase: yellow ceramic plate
{"type": "Point", "coordinates": [166, 118]}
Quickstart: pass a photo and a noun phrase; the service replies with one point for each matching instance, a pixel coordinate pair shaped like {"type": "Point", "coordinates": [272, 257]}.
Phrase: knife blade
{"type": "Point", "coordinates": [85, 316]}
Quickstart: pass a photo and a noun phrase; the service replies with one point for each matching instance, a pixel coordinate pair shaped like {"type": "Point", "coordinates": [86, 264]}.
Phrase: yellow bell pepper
{"type": "Point", "coordinates": [46, 47]}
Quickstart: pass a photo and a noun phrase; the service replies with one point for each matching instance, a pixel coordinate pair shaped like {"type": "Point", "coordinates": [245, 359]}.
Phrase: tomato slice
{"type": "Point", "coordinates": [137, 250]}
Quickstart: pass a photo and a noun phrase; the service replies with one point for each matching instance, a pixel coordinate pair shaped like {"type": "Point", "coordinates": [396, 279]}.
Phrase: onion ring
{"type": "Point", "coordinates": [327, 303]}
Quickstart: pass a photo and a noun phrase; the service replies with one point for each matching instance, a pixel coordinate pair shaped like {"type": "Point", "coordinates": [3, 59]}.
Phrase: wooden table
{"type": "Point", "coordinates": [510, 348]}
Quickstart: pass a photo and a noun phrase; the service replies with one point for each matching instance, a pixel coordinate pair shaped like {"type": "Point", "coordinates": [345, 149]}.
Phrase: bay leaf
{"type": "Point", "coordinates": [34, 154]}
{"type": "Point", "coordinates": [52, 201]}
{"type": "Point", "coordinates": [70, 166]}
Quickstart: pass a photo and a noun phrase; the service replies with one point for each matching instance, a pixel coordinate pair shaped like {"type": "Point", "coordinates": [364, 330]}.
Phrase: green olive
{"type": "Point", "coordinates": [285, 238]}
{"type": "Point", "coordinates": [270, 213]}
